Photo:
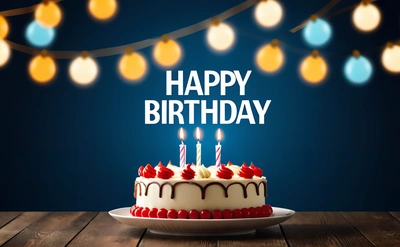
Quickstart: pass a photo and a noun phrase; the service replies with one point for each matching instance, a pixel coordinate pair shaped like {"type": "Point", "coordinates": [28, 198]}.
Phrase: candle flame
{"type": "Point", "coordinates": [219, 135]}
{"type": "Point", "coordinates": [181, 134]}
{"type": "Point", "coordinates": [198, 133]}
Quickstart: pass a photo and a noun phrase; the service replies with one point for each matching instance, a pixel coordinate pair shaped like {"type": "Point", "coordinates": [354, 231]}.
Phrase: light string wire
{"type": "Point", "coordinates": [150, 42]}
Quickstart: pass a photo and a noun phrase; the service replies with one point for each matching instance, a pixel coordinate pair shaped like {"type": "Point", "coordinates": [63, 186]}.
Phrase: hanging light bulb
{"type": "Point", "coordinates": [132, 65]}
{"type": "Point", "coordinates": [42, 68]}
{"type": "Point", "coordinates": [5, 52]}
{"type": "Point", "coordinates": [268, 13]}
{"type": "Point", "coordinates": [103, 9]}
{"type": "Point", "coordinates": [220, 36]}
{"type": "Point", "coordinates": [83, 70]}
{"type": "Point", "coordinates": [270, 57]}
{"type": "Point", "coordinates": [366, 17]}
{"type": "Point", "coordinates": [39, 36]}
{"type": "Point", "coordinates": [313, 68]}
{"type": "Point", "coordinates": [48, 14]}
{"type": "Point", "coordinates": [358, 69]}
{"type": "Point", "coordinates": [167, 52]}
{"type": "Point", "coordinates": [4, 28]}
{"type": "Point", "coordinates": [317, 32]}
{"type": "Point", "coordinates": [391, 57]}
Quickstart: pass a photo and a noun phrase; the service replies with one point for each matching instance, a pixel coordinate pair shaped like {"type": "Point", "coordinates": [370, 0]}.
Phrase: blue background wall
{"type": "Point", "coordinates": [331, 147]}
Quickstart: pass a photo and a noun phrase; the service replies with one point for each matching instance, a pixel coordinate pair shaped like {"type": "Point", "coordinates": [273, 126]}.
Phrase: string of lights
{"type": "Point", "coordinates": [167, 52]}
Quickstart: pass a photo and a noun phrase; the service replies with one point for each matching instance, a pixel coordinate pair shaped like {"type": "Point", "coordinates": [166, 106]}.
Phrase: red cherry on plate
{"type": "Point", "coordinates": [259, 211]}
{"type": "Point", "coordinates": [138, 212]}
{"type": "Point", "coordinates": [227, 214]}
{"type": "Point", "coordinates": [145, 212]}
{"type": "Point", "coordinates": [153, 213]}
{"type": "Point", "coordinates": [237, 213]}
{"type": "Point", "coordinates": [253, 212]}
{"type": "Point", "coordinates": [132, 210]}
{"type": "Point", "coordinates": [245, 213]}
{"type": "Point", "coordinates": [172, 214]}
{"type": "Point", "coordinates": [182, 214]}
{"type": "Point", "coordinates": [217, 214]}
{"type": "Point", "coordinates": [193, 214]}
{"type": "Point", "coordinates": [162, 213]}
{"type": "Point", "coordinates": [267, 209]}
{"type": "Point", "coordinates": [205, 214]}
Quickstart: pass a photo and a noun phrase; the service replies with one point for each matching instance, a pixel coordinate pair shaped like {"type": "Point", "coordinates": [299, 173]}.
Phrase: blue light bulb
{"type": "Point", "coordinates": [358, 69]}
{"type": "Point", "coordinates": [317, 32]}
{"type": "Point", "coordinates": [39, 36]}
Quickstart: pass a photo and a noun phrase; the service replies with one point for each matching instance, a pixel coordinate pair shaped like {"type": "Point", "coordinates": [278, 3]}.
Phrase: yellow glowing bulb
{"type": "Point", "coordinates": [167, 52]}
{"type": "Point", "coordinates": [83, 70]}
{"type": "Point", "coordinates": [220, 36]}
{"type": "Point", "coordinates": [48, 14]}
{"type": "Point", "coordinates": [314, 68]}
{"type": "Point", "coordinates": [391, 58]}
{"type": "Point", "coordinates": [103, 9]}
{"type": "Point", "coordinates": [3, 27]}
{"type": "Point", "coordinates": [132, 65]}
{"type": "Point", "coordinates": [42, 68]}
{"type": "Point", "coordinates": [366, 17]}
{"type": "Point", "coordinates": [268, 13]}
{"type": "Point", "coordinates": [270, 57]}
{"type": "Point", "coordinates": [5, 52]}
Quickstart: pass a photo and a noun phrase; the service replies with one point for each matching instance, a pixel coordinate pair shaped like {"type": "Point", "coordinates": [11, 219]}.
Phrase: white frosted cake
{"type": "Point", "coordinates": [195, 192]}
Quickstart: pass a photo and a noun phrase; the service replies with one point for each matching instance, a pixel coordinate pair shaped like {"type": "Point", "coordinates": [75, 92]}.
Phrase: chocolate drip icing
{"type": "Point", "coordinates": [202, 189]}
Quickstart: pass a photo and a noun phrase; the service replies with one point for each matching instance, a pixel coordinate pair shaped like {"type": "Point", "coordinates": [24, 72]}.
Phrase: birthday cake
{"type": "Point", "coordinates": [196, 192]}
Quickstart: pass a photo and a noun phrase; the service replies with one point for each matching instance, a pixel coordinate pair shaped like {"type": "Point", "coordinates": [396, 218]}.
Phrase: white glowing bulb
{"type": "Point", "coordinates": [268, 13]}
{"type": "Point", "coordinates": [391, 58]}
{"type": "Point", "coordinates": [219, 135]}
{"type": "Point", "coordinates": [181, 135]}
{"type": "Point", "coordinates": [83, 70]}
{"type": "Point", "coordinates": [366, 17]}
{"type": "Point", "coordinates": [220, 36]}
{"type": "Point", "coordinates": [5, 52]}
{"type": "Point", "coordinates": [198, 133]}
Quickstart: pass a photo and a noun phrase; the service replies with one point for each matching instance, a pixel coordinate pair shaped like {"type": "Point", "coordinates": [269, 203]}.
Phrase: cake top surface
{"type": "Point", "coordinates": [191, 171]}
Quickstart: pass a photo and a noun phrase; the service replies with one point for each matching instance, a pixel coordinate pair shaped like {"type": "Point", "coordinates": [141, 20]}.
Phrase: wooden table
{"type": "Point", "coordinates": [99, 229]}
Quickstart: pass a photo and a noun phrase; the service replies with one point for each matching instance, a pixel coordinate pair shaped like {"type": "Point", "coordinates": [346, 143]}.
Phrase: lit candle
{"type": "Point", "coordinates": [218, 149]}
{"type": "Point", "coordinates": [198, 148]}
{"type": "Point", "coordinates": [182, 149]}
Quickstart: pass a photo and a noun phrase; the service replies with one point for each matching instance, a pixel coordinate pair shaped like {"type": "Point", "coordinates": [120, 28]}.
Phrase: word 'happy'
{"type": "Point", "coordinates": [221, 111]}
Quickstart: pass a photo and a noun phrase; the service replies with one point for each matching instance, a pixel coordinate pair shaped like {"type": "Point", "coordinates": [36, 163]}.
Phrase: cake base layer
{"type": "Point", "coordinates": [200, 194]}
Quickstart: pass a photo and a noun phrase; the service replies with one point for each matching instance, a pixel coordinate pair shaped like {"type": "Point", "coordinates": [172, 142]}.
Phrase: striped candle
{"type": "Point", "coordinates": [218, 150]}
{"type": "Point", "coordinates": [198, 148]}
{"type": "Point", "coordinates": [182, 150]}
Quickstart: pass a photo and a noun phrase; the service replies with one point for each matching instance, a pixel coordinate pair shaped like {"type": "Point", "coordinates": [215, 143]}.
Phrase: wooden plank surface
{"type": "Point", "coordinates": [396, 214]}
{"type": "Point", "coordinates": [270, 236]}
{"type": "Point", "coordinates": [321, 229]}
{"type": "Point", "coordinates": [54, 229]}
{"type": "Point", "coordinates": [6, 217]}
{"type": "Point", "coordinates": [380, 228]}
{"type": "Point", "coordinates": [105, 231]}
{"type": "Point", "coordinates": [18, 224]}
{"type": "Point", "coordinates": [150, 239]}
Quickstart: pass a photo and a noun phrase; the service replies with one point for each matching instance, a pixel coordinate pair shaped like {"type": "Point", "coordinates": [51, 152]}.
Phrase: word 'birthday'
{"type": "Point", "coordinates": [220, 111]}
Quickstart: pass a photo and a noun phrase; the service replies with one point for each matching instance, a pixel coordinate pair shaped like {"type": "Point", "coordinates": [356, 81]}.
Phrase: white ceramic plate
{"type": "Point", "coordinates": [211, 227]}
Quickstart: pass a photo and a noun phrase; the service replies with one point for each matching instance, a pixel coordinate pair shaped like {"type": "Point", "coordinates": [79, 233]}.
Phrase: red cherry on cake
{"type": "Point", "coordinates": [165, 173]}
{"type": "Point", "coordinates": [267, 210]}
{"type": "Point", "coordinates": [188, 173]}
{"type": "Point", "coordinates": [149, 172]}
{"type": "Point", "coordinates": [253, 212]}
{"type": "Point", "coordinates": [237, 213]}
{"type": "Point", "coordinates": [259, 212]}
{"type": "Point", "coordinates": [140, 171]}
{"type": "Point", "coordinates": [245, 171]}
{"type": "Point", "coordinates": [257, 171]}
{"type": "Point", "coordinates": [193, 214]}
{"type": "Point", "coordinates": [182, 214]}
{"type": "Point", "coordinates": [224, 172]}
{"type": "Point", "coordinates": [145, 212]}
{"type": "Point", "coordinates": [245, 213]}
{"type": "Point", "coordinates": [172, 214]}
{"type": "Point", "coordinates": [138, 212]}
{"type": "Point", "coordinates": [205, 214]}
{"type": "Point", "coordinates": [162, 213]}
{"type": "Point", "coordinates": [227, 214]}
{"type": "Point", "coordinates": [153, 213]}
{"type": "Point", "coordinates": [217, 214]}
